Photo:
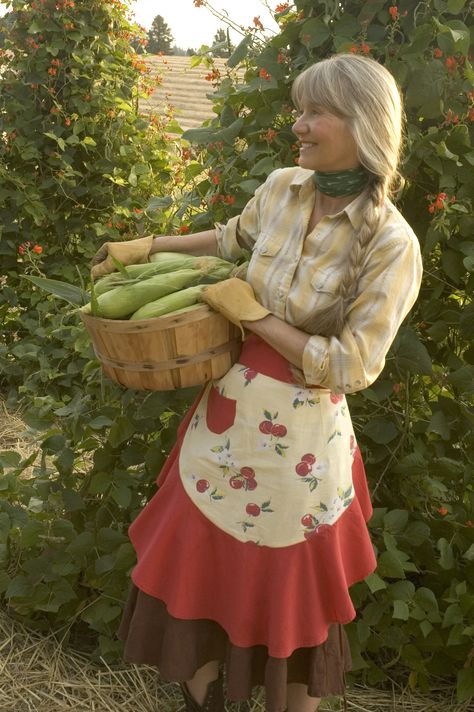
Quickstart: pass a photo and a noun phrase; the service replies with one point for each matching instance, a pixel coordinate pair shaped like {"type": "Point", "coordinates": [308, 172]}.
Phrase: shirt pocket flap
{"type": "Point", "coordinates": [267, 245]}
{"type": "Point", "coordinates": [326, 281]}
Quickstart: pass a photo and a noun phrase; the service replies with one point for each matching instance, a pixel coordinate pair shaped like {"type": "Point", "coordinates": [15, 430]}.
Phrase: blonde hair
{"type": "Point", "coordinates": [363, 93]}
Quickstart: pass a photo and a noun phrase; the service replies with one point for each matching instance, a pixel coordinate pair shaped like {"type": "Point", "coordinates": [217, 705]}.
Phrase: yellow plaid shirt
{"type": "Point", "coordinates": [292, 275]}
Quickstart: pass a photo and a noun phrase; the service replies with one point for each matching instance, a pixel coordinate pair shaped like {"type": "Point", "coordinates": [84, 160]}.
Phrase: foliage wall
{"type": "Point", "coordinates": [64, 515]}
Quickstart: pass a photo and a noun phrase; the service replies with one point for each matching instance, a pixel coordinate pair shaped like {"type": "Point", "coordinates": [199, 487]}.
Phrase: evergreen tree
{"type": "Point", "coordinates": [160, 38]}
{"type": "Point", "coordinates": [222, 36]}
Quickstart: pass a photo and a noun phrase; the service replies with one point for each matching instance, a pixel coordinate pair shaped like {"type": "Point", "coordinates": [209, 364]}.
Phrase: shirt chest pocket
{"type": "Point", "coordinates": [325, 283]}
{"type": "Point", "coordinates": [267, 246]}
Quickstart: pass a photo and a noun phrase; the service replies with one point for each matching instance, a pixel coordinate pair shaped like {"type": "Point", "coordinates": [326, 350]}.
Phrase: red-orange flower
{"type": "Point", "coordinates": [393, 10]}
{"type": "Point", "coordinates": [38, 249]}
{"type": "Point", "coordinates": [451, 117]}
{"type": "Point", "coordinates": [183, 229]}
{"type": "Point", "coordinates": [229, 199]}
{"type": "Point", "coordinates": [257, 23]}
{"type": "Point", "coordinates": [438, 52]}
{"type": "Point", "coordinates": [198, 3]}
{"type": "Point", "coordinates": [281, 8]}
{"type": "Point", "coordinates": [443, 511]}
{"type": "Point", "coordinates": [353, 49]}
{"type": "Point", "coordinates": [365, 48]}
{"type": "Point", "coordinates": [263, 74]}
{"type": "Point", "coordinates": [451, 64]}
{"type": "Point", "coordinates": [469, 523]}
{"type": "Point", "coordinates": [137, 210]}
{"type": "Point", "coordinates": [270, 135]}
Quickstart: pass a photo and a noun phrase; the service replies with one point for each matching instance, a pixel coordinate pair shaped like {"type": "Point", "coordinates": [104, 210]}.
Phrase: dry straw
{"type": "Point", "coordinates": [39, 675]}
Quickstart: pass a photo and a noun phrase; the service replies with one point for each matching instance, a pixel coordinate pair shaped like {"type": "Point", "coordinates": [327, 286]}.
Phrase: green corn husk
{"type": "Point", "coordinates": [160, 263]}
{"type": "Point", "coordinates": [169, 304]}
{"type": "Point", "coordinates": [121, 302]}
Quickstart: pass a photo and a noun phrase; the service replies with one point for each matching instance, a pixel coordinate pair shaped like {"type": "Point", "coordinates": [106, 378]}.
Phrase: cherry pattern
{"type": "Point", "coordinates": [249, 375]}
{"type": "Point", "coordinates": [304, 469]}
{"type": "Point", "coordinates": [255, 510]}
{"type": "Point", "coordinates": [203, 486]}
{"type": "Point", "coordinates": [238, 494]}
{"type": "Point", "coordinates": [275, 431]}
{"type": "Point", "coordinates": [244, 479]}
{"type": "Point", "coordinates": [316, 523]}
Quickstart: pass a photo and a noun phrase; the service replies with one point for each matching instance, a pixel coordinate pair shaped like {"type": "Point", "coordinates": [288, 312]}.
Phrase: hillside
{"type": "Point", "coordinates": [183, 87]}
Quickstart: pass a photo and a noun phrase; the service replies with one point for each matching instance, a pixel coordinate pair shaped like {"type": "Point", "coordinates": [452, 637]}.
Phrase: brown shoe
{"type": "Point", "coordinates": [214, 700]}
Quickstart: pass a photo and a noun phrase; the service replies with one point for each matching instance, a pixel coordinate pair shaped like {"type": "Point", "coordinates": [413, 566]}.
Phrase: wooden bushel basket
{"type": "Point", "coordinates": [167, 352]}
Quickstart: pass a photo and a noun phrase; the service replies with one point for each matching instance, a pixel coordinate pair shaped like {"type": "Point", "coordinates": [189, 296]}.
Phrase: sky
{"type": "Point", "coordinates": [193, 26]}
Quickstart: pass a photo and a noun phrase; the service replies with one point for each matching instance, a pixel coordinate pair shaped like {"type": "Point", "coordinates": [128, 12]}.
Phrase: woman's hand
{"type": "Point", "coordinates": [130, 252]}
{"type": "Point", "coordinates": [235, 299]}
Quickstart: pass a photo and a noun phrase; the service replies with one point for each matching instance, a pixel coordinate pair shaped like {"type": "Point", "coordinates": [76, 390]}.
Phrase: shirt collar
{"type": "Point", "coordinates": [304, 177]}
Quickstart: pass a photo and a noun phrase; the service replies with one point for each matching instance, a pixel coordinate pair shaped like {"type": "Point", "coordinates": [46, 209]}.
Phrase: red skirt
{"type": "Point", "coordinates": [282, 598]}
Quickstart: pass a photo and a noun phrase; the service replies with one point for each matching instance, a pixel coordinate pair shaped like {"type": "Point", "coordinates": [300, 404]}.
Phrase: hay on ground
{"type": "Point", "coordinates": [39, 675]}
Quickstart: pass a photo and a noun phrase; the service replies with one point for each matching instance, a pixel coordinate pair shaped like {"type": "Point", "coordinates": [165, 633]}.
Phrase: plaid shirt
{"type": "Point", "coordinates": [293, 274]}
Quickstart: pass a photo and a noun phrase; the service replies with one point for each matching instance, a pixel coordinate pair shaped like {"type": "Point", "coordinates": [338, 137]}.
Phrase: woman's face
{"type": "Point", "coordinates": [326, 143]}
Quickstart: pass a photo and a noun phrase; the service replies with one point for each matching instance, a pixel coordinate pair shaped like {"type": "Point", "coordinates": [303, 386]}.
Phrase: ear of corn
{"type": "Point", "coordinates": [169, 262]}
{"type": "Point", "coordinates": [161, 263]}
{"type": "Point", "coordinates": [120, 302]}
{"type": "Point", "coordinates": [171, 303]}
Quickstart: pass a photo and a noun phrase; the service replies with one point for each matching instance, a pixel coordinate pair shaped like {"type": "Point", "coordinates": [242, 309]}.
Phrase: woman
{"type": "Point", "coordinates": [247, 551]}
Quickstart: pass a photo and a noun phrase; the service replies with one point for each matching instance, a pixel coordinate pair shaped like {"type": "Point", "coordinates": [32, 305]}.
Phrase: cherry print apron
{"type": "Point", "coordinates": [266, 461]}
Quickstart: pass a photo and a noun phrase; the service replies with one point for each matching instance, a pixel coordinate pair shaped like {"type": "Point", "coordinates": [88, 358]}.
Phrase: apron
{"type": "Point", "coordinates": [266, 461]}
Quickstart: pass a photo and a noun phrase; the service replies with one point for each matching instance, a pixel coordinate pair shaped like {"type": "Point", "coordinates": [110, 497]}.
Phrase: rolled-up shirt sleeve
{"type": "Point", "coordinates": [387, 289]}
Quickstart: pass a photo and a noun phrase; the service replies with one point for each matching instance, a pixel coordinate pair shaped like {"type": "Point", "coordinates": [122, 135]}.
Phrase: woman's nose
{"type": "Point", "coordinates": [298, 127]}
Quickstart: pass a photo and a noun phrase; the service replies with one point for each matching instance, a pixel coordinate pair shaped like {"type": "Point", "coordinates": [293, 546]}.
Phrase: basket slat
{"type": "Point", "coordinates": [165, 353]}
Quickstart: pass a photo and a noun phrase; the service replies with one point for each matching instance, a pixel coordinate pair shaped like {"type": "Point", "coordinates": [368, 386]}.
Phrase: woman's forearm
{"type": "Point", "coordinates": [289, 341]}
{"type": "Point", "coordinates": [199, 243]}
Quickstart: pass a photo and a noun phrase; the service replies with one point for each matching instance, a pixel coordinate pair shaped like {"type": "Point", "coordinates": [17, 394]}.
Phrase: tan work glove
{"type": "Point", "coordinates": [130, 252]}
{"type": "Point", "coordinates": [234, 299]}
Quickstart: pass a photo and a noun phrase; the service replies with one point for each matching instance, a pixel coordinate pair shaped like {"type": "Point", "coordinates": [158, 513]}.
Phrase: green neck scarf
{"type": "Point", "coordinates": [341, 183]}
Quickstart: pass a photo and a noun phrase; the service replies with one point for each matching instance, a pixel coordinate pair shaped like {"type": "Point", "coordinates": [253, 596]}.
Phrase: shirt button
{"type": "Point", "coordinates": [263, 250]}
{"type": "Point", "coordinates": [358, 383]}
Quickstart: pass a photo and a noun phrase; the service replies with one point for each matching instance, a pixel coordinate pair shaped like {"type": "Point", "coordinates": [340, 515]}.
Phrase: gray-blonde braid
{"type": "Point", "coordinates": [330, 320]}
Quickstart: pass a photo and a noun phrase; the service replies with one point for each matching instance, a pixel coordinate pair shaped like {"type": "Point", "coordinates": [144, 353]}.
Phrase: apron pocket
{"type": "Point", "coordinates": [220, 413]}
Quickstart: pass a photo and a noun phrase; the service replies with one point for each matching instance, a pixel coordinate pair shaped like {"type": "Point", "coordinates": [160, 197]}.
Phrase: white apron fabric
{"type": "Point", "coordinates": [267, 461]}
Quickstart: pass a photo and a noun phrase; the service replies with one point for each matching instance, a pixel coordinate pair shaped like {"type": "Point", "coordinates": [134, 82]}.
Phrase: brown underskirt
{"type": "Point", "coordinates": [180, 647]}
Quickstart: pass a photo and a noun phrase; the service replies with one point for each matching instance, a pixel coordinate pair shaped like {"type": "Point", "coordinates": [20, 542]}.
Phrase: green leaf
{"type": "Point", "coordinates": [465, 684]}
{"type": "Point", "coordinates": [412, 356]}
{"type": "Point", "coordinates": [396, 520]}
{"type": "Point", "coordinates": [375, 583]}
{"type": "Point", "coordinates": [455, 6]}
{"type": "Point", "coordinates": [439, 424]}
{"type": "Point", "coordinates": [381, 430]}
{"type": "Point", "coordinates": [463, 379]}
{"type": "Point", "coordinates": [389, 565]}
{"type": "Point", "coordinates": [469, 554]}
{"type": "Point", "coordinates": [69, 292]}
{"type": "Point", "coordinates": [240, 52]}
{"type": "Point", "coordinates": [426, 627]}
{"type": "Point", "coordinates": [316, 31]}
{"type": "Point", "coordinates": [446, 554]}
{"type": "Point", "coordinates": [401, 610]}
{"type": "Point", "coordinates": [159, 203]}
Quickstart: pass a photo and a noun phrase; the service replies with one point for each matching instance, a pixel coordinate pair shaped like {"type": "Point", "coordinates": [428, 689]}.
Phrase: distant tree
{"type": "Point", "coordinates": [222, 36]}
{"type": "Point", "coordinates": [160, 38]}
{"type": "Point", "coordinates": [190, 52]}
